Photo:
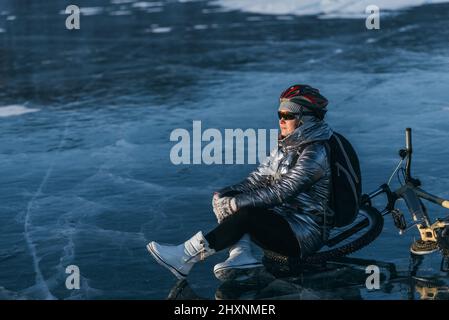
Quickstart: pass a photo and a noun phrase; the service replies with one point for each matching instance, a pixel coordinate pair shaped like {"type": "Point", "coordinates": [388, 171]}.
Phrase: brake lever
{"type": "Point", "coordinates": [403, 153]}
{"type": "Point", "coordinates": [414, 182]}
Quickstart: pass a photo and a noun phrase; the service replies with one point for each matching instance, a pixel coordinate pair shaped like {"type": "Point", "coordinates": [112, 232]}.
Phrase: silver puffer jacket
{"type": "Point", "coordinates": [294, 182]}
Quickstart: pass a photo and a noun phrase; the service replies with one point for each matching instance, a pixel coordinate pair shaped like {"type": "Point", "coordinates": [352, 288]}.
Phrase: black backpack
{"type": "Point", "coordinates": [346, 189]}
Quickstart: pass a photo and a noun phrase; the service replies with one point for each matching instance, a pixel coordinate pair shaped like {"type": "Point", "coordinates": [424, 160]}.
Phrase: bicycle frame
{"type": "Point", "coordinates": [412, 195]}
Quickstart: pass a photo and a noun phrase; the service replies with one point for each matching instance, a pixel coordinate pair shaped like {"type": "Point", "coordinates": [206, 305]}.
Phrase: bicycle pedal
{"type": "Point", "coordinates": [399, 220]}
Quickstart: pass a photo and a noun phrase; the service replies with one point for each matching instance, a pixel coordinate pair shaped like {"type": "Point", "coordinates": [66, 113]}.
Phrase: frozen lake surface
{"type": "Point", "coordinates": [86, 116]}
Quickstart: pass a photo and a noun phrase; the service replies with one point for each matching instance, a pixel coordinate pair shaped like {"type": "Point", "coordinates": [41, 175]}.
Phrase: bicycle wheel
{"type": "Point", "coordinates": [342, 241]}
{"type": "Point", "coordinates": [364, 230]}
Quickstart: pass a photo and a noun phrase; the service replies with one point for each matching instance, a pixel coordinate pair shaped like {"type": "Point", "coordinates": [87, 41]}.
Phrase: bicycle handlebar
{"type": "Point", "coordinates": [409, 149]}
{"type": "Point", "coordinates": [408, 139]}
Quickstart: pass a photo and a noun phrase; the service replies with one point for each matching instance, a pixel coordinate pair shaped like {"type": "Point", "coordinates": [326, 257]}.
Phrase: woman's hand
{"type": "Point", "coordinates": [215, 203]}
{"type": "Point", "coordinates": [223, 207]}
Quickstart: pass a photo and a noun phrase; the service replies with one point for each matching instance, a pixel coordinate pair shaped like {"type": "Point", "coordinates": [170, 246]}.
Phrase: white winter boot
{"type": "Point", "coordinates": [240, 257]}
{"type": "Point", "coordinates": [180, 259]}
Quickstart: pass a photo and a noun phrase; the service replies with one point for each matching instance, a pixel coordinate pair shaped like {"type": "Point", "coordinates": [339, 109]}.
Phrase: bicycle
{"type": "Point", "coordinates": [369, 223]}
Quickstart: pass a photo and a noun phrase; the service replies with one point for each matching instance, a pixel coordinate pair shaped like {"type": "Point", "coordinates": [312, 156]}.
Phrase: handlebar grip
{"type": "Point", "coordinates": [445, 204]}
{"type": "Point", "coordinates": [408, 139]}
{"type": "Point", "coordinates": [408, 147]}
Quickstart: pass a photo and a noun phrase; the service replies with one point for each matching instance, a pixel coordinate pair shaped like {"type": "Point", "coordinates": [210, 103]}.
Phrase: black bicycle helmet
{"type": "Point", "coordinates": [307, 97]}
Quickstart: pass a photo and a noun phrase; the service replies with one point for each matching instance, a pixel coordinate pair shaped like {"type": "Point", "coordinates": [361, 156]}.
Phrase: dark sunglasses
{"type": "Point", "coordinates": [287, 115]}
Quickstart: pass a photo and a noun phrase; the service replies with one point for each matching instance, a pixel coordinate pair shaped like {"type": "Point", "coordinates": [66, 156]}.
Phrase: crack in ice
{"type": "Point", "coordinates": [40, 281]}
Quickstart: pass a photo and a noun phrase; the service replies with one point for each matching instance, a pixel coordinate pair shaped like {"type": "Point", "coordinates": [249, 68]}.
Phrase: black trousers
{"type": "Point", "coordinates": [266, 228]}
